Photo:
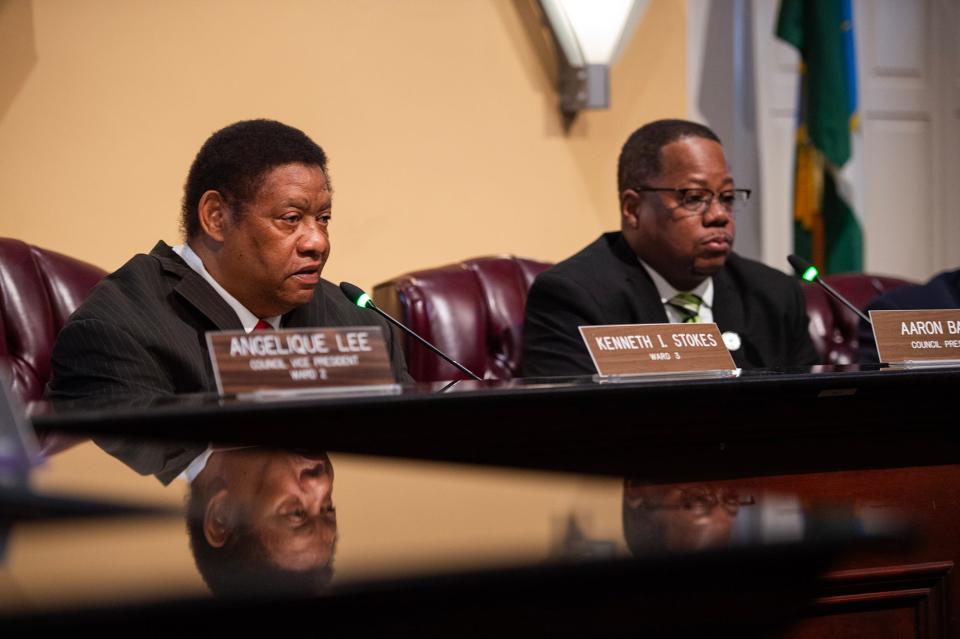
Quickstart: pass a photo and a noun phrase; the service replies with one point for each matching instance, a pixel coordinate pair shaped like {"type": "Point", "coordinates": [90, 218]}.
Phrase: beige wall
{"type": "Point", "coordinates": [439, 118]}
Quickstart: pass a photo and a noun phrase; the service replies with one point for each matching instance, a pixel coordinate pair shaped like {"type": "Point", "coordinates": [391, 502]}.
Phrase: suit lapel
{"type": "Point", "coordinates": [649, 304]}
{"type": "Point", "coordinates": [728, 312]}
{"type": "Point", "coordinates": [641, 292]}
{"type": "Point", "coordinates": [201, 295]}
{"type": "Point", "coordinates": [196, 291]}
{"type": "Point", "coordinates": [313, 313]}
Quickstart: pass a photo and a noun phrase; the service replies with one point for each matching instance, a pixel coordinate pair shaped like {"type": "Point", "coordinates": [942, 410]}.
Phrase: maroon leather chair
{"type": "Point", "coordinates": [473, 311]}
{"type": "Point", "coordinates": [38, 291]}
{"type": "Point", "coordinates": [833, 327]}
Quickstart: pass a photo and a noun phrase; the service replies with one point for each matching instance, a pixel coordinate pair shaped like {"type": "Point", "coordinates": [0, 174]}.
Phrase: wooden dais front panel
{"type": "Point", "coordinates": [887, 594]}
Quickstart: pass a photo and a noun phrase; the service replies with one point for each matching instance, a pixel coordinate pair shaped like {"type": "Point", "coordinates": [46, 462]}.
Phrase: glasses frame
{"type": "Point", "coordinates": [682, 194]}
{"type": "Point", "coordinates": [702, 501]}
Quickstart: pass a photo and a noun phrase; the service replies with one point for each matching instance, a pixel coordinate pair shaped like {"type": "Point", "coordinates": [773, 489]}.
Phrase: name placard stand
{"type": "Point", "coordinates": [917, 339]}
{"type": "Point", "coordinates": [634, 352]}
{"type": "Point", "coordinates": [303, 362]}
{"type": "Point", "coordinates": [921, 364]}
{"type": "Point", "coordinates": [277, 395]}
{"type": "Point", "coordinates": [667, 377]}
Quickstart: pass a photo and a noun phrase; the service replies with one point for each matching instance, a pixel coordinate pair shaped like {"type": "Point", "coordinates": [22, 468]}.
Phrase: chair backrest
{"type": "Point", "coordinates": [833, 327]}
{"type": "Point", "coordinates": [38, 291]}
{"type": "Point", "coordinates": [473, 311]}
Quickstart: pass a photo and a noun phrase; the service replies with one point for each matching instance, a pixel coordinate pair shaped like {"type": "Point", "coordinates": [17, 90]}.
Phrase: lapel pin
{"type": "Point", "coordinates": [731, 340]}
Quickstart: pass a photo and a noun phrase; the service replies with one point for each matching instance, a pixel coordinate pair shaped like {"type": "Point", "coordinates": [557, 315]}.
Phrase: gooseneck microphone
{"type": "Point", "coordinates": [810, 273]}
{"type": "Point", "coordinates": [356, 295]}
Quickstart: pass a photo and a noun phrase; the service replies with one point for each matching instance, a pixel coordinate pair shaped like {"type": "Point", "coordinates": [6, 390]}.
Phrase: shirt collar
{"type": "Point", "coordinates": [704, 290]}
{"type": "Point", "coordinates": [199, 464]}
{"type": "Point", "coordinates": [248, 319]}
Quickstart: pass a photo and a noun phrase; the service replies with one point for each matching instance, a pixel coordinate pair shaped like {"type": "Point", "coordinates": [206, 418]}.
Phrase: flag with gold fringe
{"type": "Point", "coordinates": [826, 230]}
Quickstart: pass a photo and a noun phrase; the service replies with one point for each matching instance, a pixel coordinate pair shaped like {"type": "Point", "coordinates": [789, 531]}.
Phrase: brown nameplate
{"type": "Point", "coordinates": [299, 358]}
{"type": "Point", "coordinates": [633, 349]}
{"type": "Point", "coordinates": [904, 336]}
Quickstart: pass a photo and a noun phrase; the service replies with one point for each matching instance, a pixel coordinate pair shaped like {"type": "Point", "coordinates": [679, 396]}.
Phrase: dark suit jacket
{"type": "Point", "coordinates": [943, 291]}
{"type": "Point", "coordinates": [140, 332]}
{"type": "Point", "coordinates": [163, 460]}
{"type": "Point", "coordinates": [606, 284]}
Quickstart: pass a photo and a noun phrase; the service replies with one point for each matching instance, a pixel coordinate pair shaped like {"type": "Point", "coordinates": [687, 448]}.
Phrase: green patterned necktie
{"type": "Point", "coordinates": [689, 306]}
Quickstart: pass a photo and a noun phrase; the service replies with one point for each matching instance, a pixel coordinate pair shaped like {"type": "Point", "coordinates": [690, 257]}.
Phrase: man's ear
{"type": "Point", "coordinates": [629, 209]}
{"type": "Point", "coordinates": [217, 527]}
{"type": "Point", "coordinates": [633, 493]}
{"type": "Point", "coordinates": [213, 214]}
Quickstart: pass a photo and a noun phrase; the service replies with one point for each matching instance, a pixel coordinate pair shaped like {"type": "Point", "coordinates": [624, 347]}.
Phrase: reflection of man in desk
{"type": "Point", "coordinates": [257, 519]}
{"type": "Point", "coordinates": [256, 213]}
{"type": "Point", "coordinates": [670, 262]}
{"type": "Point", "coordinates": [678, 517]}
{"type": "Point", "coordinates": [262, 521]}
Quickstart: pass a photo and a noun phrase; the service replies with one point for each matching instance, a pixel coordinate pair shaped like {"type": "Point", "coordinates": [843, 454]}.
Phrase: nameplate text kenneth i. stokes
{"type": "Point", "coordinates": [631, 349]}
{"type": "Point", "coordinates": [903, 336]}
{"type": "Point", "coordinates": [301, 358]}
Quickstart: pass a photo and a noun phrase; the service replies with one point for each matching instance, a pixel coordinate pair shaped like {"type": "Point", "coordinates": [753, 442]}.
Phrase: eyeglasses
{"type": "Point", "coordinates": [700, 200]}
{"type": "Point", "coordinates": [701, 500]}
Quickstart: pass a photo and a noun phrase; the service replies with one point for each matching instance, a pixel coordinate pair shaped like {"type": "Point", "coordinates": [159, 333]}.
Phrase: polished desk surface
{"type": "Point", "coordinates": [441, 479]}
{"type": "Point", "coordinates": [340, 523]}
{"type": "Point", "coordinates": [666, 429]}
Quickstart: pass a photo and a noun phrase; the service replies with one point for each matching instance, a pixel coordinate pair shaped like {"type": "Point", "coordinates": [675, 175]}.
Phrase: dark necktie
{"type": "Point", "coordinates": [688, 305]}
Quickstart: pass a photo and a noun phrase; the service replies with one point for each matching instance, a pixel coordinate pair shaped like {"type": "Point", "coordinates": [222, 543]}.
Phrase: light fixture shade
{"type": "Point", "coordinates": [592, 32]}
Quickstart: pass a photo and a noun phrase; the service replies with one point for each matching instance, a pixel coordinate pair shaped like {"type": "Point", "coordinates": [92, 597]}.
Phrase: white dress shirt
{"type": "Point", "coordinates": [247, 319]}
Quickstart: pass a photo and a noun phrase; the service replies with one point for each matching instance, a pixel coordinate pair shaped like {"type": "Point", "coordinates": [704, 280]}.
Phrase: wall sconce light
{"type": "Point", "coordinates": [590, 36]}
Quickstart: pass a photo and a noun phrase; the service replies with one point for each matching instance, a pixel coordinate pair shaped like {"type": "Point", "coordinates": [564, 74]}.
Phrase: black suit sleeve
{"type": "Point", "coordinates": [94, 358]}
{"type": "Point", "coordinates": [866, 343]}
{"type": "Point", "coordinates": [552, 345]}
{"type": "Point", "coordinates": [398, 363]}
{"type": "Point", "coordinates": [802, 350]}
{"type": "Point", "coordinates": [164, 461]}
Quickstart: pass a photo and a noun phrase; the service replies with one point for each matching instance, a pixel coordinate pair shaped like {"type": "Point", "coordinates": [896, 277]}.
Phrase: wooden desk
{"type": "Point", "coordinates": [881, 439]}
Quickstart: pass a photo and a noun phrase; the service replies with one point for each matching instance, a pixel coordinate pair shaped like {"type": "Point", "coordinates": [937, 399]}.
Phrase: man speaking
{"type": "Point", "coordinates": [256, 214]}
{"type": "Point", "coordinates": [672, 261]}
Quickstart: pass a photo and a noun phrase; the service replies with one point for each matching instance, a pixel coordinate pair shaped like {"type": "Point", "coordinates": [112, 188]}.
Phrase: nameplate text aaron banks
{"type": "Point", "coordinates": [903, 336]}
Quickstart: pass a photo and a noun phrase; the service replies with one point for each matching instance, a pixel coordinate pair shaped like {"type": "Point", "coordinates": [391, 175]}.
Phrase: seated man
{"type": "Point", "coordinates": [941, 292]}
{"type": "Point", "coordinates": [670, 262]}
{"type": "Point", "coordinates": [256, 214]}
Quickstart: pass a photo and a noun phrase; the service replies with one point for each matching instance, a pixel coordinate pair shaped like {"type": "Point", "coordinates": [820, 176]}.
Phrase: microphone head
{"type": "Point", "coordinates": [356, 295]}
{"type": "Point", "coordinates": [803, 268]}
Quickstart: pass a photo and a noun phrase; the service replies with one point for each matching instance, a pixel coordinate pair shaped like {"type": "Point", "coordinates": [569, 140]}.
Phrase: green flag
{"type": "Point", "coordinates": [826, 230]}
